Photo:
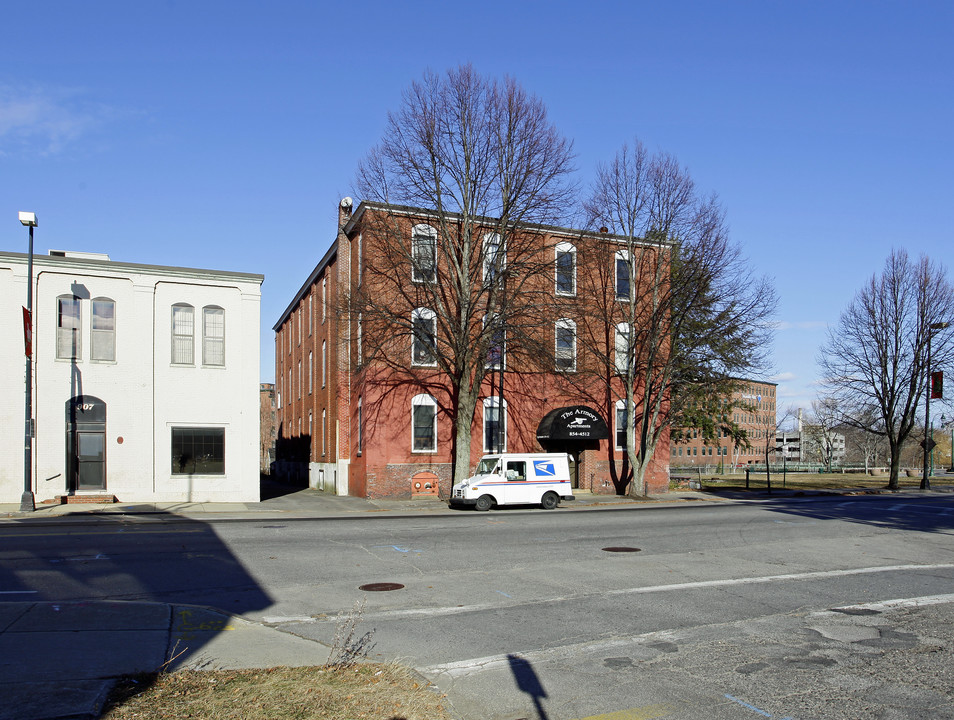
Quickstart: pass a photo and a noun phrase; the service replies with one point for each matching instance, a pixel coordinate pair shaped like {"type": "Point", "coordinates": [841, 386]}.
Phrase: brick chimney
{"type": "Point", "coordinates": [344, 212]}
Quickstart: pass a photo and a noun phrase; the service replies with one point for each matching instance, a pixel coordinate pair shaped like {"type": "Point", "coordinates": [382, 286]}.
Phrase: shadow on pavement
{"type": "Point", "coordinates": [928, 514]}
{"type": "Point", "coordinates": [81, 603]}
{"type": "Point", "coordinates": [528, 682]}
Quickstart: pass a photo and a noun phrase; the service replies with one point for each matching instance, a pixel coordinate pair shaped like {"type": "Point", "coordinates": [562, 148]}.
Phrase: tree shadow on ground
{"type": "Point", "coordinates": [930, 514]}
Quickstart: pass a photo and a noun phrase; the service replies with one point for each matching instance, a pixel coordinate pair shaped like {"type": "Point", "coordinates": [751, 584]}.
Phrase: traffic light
{"type": "Point", "coordinates": [937, 385]}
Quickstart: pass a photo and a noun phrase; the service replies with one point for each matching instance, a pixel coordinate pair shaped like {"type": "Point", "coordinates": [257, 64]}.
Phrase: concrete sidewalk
{"type": "Point", "coordinates": [309, 503]}
{"type": "Point", "coordinates": [58, 661]}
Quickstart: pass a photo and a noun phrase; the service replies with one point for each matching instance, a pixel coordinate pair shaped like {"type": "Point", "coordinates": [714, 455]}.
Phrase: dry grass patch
{"type": "Point", "coordinates": [372, 691]}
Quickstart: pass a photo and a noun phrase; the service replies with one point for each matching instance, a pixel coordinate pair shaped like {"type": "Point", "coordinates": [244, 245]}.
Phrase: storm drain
{"type": "Point", "coordinates": [380, 587]}
{"type": "Point", "coordinates": [620, 549]}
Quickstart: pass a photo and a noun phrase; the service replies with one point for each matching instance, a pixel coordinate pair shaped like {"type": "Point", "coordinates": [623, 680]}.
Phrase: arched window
{"type": "Point", "coordinates": [624, 274]}
{"type": "Point", "coordinates": [183, 329]}
{"type": "Point", "coordinates": [565, 345]}
{"type": "Point", "coordinates": [213, 335]}
{"type": "Point", "coordinates": [495, 257]}
{"type": "Point", "coordinates": [565, 270]}
{"type": "Point", "coordinates": [423, 253]}
{"type": "Point", "coordinates": [103, 330]}
{"type": "Point", "coordinates": [68, 324]}
{"type": "Point", "coordinates": [621, 425]}
{"type": "Point", "coordinates": [423, 424]}
{"type": "Point", "coordinates": [424, 330]}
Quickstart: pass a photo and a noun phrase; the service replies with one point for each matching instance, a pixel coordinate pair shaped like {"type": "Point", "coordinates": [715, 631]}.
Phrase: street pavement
{"type": "Point", "coordinates": [58, 660]}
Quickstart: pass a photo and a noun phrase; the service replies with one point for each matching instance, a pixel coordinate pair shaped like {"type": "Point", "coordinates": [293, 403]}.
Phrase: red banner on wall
{"type": "Point", "coordinates": [27, 333]}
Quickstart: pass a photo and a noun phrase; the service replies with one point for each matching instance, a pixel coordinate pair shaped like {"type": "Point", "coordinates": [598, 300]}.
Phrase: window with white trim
{"type": "Point", "coordinates": [213, 335]}
{"type": "Point", "coordinates": [183, 334]}
{"type": "Point", "coordinates": [623, 347]}
{"type": "Point", "coordinates": [68, 328]}
{"type": "Point", "coordinates": [324, 432]}
{"type": "Point", "coordinates": [624, 274]}
{"type": "Point", "coordinates": [311, 372]}
{"type": "Point", "coordinates": [423, 424]}
{"type": "Point", "coordinates": [495, 425]}
{"type": "Point", "coordinates": [565, 270]}
{"type": "Point", "coordinates": [424, 330]}
{"type": "Point", "coordinates": [495, 257]}
{"type": "Point", "coordinates": [103, 329]}
{"type": "Point", "coordinates": [324, 362]}
{"type": "Point", "coordinates": [497, 345]}
{"type": "Point", "coordinates": [423, 254]}
{"type": "Point", "coordinates": [565, 332]}
{"type": "Point", "coordinates": [621, 425]}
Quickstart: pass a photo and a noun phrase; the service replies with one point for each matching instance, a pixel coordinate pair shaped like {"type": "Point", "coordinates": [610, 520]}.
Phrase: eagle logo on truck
{"type": "Point", "coordinates": [544, 468]}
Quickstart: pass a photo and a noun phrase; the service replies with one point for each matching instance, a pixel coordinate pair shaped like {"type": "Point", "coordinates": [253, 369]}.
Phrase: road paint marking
{"type": "Point", "coordinates": [504, 594]}
{"type": "Point", "coordinates": [761, 712]}
{"type": "Point", "coordinates": [17, 592]}
{"type": "Point", "coordinates": [817, 575]}
{"type": "Point", "coordinates": [98, 556]}
{"type": "Point", "coordinates": [398, 549]}
{"type": "Point", "coordinates": [922, 601]}
{"type": "Point", "coordinates": [462, 609]}
{"type": "Point", "coordinates": [646, 712]}
{"type": "Point", "coordinates": [459, 668]}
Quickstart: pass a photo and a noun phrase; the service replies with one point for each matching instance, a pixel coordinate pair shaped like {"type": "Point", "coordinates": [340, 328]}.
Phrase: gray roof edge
{"type": "Point", "coordinates": [114, 265]}
{"type": "Point", "coordinates": [322, 264]}
{"type": "Point", "coordinates": [424, 212]}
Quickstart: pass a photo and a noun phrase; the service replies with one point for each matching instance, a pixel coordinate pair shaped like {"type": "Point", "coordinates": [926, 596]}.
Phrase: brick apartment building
{"type": "Point", "coordinates": [752, 407]}
{"type": "Point", "coordinates": [364, 414]}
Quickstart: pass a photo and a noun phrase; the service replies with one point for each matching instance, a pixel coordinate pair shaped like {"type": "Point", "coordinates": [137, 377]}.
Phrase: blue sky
{"type": "Point", "coordinates": [222, 134]}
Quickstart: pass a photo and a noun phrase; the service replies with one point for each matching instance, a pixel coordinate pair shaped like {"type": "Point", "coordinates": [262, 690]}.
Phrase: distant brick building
{"type": "Point", "coordinates": [347, 426]}
{"type": "Point", "coordinates": [268, 419]}
{"type": "Point", "coordinates": [751, 407]}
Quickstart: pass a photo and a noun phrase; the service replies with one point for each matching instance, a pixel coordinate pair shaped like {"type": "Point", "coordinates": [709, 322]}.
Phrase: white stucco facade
{"type": "Point", "coordinates": [115, 414]}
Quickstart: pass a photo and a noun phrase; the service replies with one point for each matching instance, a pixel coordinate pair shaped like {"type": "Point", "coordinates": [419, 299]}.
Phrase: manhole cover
{"type": "Point", "coordinates": [620, 549]}
{"type": "Point", "coordinates": [380, 587]}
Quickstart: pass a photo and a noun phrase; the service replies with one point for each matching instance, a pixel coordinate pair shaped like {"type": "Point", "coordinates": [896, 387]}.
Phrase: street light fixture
{"type": "Point", "coordinates": [27, 503]}
{"type": "Point", "coordinates": [925, 478]}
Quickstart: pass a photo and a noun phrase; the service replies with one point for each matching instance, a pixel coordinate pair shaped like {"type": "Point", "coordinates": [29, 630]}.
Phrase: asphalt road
{"type": "Point", "coordinates": [820, 608]}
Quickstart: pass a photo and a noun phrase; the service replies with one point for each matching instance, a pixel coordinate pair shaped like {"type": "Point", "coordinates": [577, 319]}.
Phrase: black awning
{"type": "Point", "coordinates": [573, 423]}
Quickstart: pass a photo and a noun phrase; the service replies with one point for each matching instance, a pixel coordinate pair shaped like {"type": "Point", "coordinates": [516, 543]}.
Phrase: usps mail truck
{"type": "Point", "coordinates": [516, 479]}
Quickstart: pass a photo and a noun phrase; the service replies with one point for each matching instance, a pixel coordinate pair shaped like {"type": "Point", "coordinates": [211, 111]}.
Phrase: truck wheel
{"type": "Point", "coordinates": [484, 502]}
{"type": "Point", "coordinates": [550, 500]}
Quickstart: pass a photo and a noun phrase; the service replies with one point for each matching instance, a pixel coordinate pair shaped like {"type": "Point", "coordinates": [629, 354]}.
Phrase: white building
{"type": "Point", "coordinates": [145, 380]}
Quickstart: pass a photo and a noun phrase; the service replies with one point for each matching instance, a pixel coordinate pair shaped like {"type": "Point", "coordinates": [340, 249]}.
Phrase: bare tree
{"type": "Point", "coordinates": [820, 430]}
{"type": "Point", "coordinates": [484, 161]}
{"type": "Point", "coordinates": [875, 359]}
{"type": "Point", "coordinates": [686, 316]}
{"type": "Point", "coordinates": [865, 439]}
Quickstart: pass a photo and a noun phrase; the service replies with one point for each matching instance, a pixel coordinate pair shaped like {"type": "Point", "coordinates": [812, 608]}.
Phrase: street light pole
{"type": "Point", "coordinates": [27, 503]}
{"type": "Point", "coordinates": [925, 478]}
